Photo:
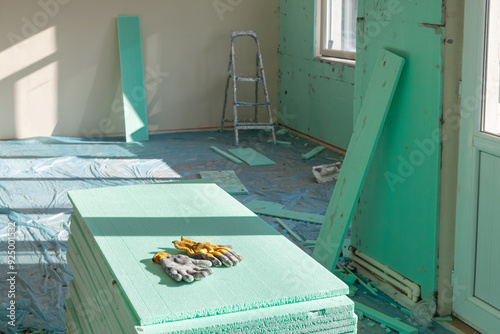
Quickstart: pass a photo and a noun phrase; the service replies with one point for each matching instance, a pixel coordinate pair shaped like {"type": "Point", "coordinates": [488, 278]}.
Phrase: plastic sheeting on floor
{"type": "Point", "coordinates": [37, 173]}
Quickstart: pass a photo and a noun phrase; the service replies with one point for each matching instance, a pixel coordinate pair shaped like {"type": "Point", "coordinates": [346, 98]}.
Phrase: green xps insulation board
{"type": "Point", "coordinates": [333, 313]}
{"type": "Point", "coordinates": [383, 83]}
{"type": "Point", "coordinates": [227, 180]}
{"type": "Point", "coordinates": [134, 94]}
{"type": "Point", "coordinates": [251, 157]}
{"type": "Point", "coordinates": [125, 226]}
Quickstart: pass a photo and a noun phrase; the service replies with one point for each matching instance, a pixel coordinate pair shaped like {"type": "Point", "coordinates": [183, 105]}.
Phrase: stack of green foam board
{"type": "Point", "coordinates": [117, 288]}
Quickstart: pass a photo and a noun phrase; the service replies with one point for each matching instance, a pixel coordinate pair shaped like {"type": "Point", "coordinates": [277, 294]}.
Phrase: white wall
{"type": "Point", "coordinates": [60, 72]}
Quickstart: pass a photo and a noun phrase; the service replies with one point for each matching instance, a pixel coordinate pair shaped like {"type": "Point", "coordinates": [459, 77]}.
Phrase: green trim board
{"type": "Point", "coordinates": [282, 142]}
{"type": "Point", "coordinates": [340, 309]}
{"type": "Point", "coordinates": [134, 93]}
{"type": "Point", "coordinates": [128, 224]}
{"type": "Point", "coordinates": [226, 155]}
{"type": "Point", "coordinates": [276, 210]}
{"type": "Point", "coordinates": [389, 321]}
{"type": "Point", "coordinates": [315, 151]}
{"type": "Point", "coordinates": [251, 157]}
{"type": "Point", "coordinates": [227, 180]}
{"type": "Point", "coordinates": [361, 148]}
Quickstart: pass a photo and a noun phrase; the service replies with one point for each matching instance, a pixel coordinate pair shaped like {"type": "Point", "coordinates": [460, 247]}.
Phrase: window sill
{"type": "Point", "coordinates": [348, 62]}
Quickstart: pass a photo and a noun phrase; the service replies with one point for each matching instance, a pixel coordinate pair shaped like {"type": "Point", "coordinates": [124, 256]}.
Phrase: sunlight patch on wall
{"type": "Point", "coordinates": [27, 52]}
{"type": "Point", "coordinates": [36, 102]}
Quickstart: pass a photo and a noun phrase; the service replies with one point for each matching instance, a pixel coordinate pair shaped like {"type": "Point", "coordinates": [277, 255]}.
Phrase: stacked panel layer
{"type": "Point", "coordinates": [117, 288]}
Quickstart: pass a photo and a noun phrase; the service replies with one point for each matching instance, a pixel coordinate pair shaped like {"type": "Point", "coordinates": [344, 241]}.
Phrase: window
{"type": "Point", "coordinates": [338, 28]}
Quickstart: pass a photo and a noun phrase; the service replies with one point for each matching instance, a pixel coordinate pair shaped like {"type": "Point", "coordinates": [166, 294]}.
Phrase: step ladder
{"type": "Point", "coordinates": [258, 77]}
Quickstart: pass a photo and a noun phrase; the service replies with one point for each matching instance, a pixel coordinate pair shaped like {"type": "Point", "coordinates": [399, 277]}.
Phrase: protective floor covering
{"type": "Point", "coordinates": [37, 173]}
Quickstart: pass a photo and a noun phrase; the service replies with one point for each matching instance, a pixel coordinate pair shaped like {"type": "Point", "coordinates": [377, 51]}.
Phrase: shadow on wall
{"type": "Point", "coordinates": [103, 99]}
{"type": "Point", "coordinates": [28, 79]}
{"type": "Point", "coordinates": [60, 72]}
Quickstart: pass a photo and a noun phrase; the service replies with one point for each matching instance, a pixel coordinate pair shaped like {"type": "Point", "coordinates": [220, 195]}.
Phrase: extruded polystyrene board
{"type": "Point", "coordinates": [86, 279]}
{"type": "Point", "coordinates": [128, 235]}
{"type": "Point", "coordinates": [71, 317]}
{"type": "Point", "coordinates": [134, 94]}
{"type": "Point", "coordinates": [332, 313]}
{"type": "Point", "coordinates": [89, 304]}
{"type": "Point", "coordinates": [251, 157]}
{"type": "Point", "coordinates": [102, 277]}
{"type": "Point", "coordinates": [227, 180]}
{"type": "Point", "coordinates": [340, 309]}
{"type": "Point", "coordinates": [80, 312]}
{"type": "Point", "coordinates": [276, 210]}
{"type": "Point", "coordinates": [167, 200]}
{"type": "Point", "coordinates": [383, 83]}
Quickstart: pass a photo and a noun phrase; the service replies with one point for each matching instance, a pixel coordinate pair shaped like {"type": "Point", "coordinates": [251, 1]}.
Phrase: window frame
{"type": "Point", "coordinates": [322, 22]}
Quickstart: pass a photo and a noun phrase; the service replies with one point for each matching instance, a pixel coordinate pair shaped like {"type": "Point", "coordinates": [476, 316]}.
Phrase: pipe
{"type": "Point", "coordinates": [386, 277]}
{"type": "Point", "coordinates": [415, 288]}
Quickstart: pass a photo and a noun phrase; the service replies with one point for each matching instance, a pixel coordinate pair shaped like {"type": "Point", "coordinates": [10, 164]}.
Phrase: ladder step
{"type": "Point", "coordinates": [249, 104]}
{"type": "Point", "coordinates": [243, 33]}
{"type": "Point", "coordinates": [248, 78]}
{"type": "Point", "coordinates": [254, 125]}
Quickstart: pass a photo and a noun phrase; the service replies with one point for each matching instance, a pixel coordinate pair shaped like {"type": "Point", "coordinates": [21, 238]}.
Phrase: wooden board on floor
{"type": "Point", "coordinates": [127, 225]}
{"type": "Point", "coordinates": [364, 140]}
{"type": "Point", "coordinates": [251, 157]}
{"type": "Point", "coordinates": [134, 94]}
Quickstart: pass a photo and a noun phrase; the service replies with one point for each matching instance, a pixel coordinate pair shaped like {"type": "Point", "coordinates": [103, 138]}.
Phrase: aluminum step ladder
{"type": "Point", "coordinates": [258, 77]}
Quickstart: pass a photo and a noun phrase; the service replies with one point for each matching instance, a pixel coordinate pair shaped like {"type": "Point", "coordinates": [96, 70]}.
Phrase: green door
{"type": "Point", "coordinates": [476, 296]}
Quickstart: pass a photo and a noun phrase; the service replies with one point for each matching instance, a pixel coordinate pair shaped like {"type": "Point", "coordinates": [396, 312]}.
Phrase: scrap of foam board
{"type": "Point", "coordinates": [126, 225]}
{"type": "Point", "coordinates": [337, 312]}
{"type": "Point", "coordinates": [276, 210]}
{"type": "Point", "coordinates": [226, 155]}
{"type": "Point", "coordinates": [389, 321]}
{"type": "Point", "coordinates": [282, 132]}
{"type": "Point", "coordinates": [227, 180]}
{"type": "Point", "coordinates": [289, 230]}
{"type": "Point", "coordinates": [282, 142]}
{"type": "Point", "coordinates": [361, 148]}
{"type": "Point", "coordinates": [313, 152]}
{"type": "Point", "coordinates": [251, 157]}
{"type": "Point", "coordinates": [134, 94]}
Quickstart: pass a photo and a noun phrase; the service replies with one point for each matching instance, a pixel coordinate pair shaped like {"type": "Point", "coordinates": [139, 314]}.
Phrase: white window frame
{"type": "Point", "coordinates": [323, 25]}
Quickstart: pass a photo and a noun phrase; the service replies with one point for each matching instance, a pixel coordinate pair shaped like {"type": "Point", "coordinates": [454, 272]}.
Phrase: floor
{"type": "Point", "coordinates": [35, 175]}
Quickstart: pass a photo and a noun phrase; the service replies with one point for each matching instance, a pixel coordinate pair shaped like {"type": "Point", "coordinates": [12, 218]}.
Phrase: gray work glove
{"type": "Point", "coordinates": [182, 267]}
{"type": "Point", "coordinates": [216, 254]}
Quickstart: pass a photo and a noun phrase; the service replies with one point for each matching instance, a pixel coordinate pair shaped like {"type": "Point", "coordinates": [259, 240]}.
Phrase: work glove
{"type": "Point", "coordinates": [182, 267]}
{"type": "Point", "coordinates": [216, 254]}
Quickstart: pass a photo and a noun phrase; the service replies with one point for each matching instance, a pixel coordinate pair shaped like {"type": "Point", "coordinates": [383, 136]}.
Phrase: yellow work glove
{"type": "Point", "coordinates": [182, 267]}
{"type": "Point", "coordinates": [216, 254]}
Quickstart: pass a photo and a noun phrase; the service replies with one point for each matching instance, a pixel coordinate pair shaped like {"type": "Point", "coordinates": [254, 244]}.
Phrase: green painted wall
{"type": "Point", "coordinates": [396, 221]}
{"type": "Point", "coordinates": [315, 97]}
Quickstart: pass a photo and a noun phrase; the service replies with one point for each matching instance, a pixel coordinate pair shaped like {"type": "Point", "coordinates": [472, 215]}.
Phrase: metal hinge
{"type": "Point", "coordinates": [460, 88]}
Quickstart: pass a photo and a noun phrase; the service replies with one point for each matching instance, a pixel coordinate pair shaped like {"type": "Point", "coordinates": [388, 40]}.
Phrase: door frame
{"type": "Point", "coordinates": [466, 306]}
